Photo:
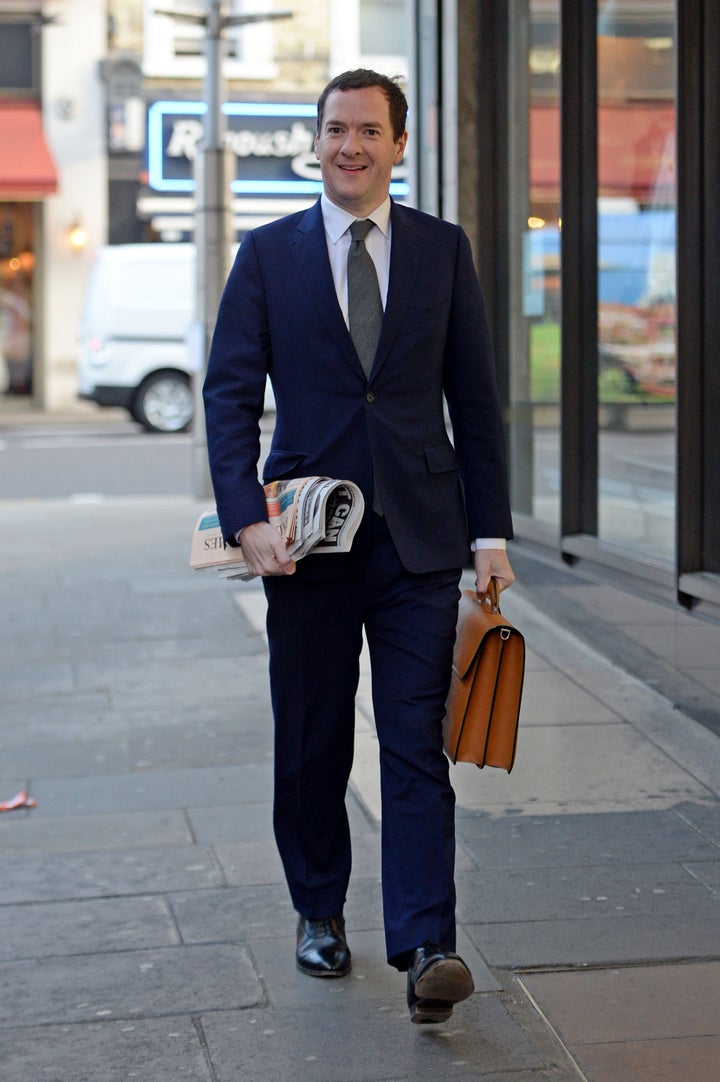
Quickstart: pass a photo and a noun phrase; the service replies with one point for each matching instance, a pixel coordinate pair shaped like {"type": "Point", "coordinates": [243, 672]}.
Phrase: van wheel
{"type": "Point", "coordinates": [164, 403]}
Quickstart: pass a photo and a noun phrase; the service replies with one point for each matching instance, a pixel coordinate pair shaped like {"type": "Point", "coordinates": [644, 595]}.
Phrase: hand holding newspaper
{"type": "Point", "coordinates": [313, 514]}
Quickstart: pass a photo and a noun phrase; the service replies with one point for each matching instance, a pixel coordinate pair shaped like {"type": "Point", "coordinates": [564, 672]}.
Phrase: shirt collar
{"type": "Point", "coordinates": [337, 220]}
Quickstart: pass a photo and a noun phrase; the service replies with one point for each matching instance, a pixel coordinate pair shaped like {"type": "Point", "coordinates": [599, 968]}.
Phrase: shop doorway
{"type": "Point", "coordinates": [17, 267]}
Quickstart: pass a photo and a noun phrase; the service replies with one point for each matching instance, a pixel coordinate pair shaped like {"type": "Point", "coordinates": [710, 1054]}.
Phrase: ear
{"type": "Point", "coordinates": [315, 146]}
{"type": "Point", "coordinates": [400, 148]}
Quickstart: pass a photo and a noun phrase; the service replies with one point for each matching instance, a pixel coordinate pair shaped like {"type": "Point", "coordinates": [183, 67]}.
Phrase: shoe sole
{"type": "Point", "coordinates": [325, 974]}
{"type": "Point", "coordinates": [446, 982]}
{"type": "Point", "coordinates": [425, 1012]}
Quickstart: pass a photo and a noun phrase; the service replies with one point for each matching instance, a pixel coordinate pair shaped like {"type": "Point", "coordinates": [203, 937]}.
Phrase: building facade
{"type": "Point", "coordinates": [53, 187]}
{"type": "Point", "coordinates": [101, 115]}
{"type": "Point", "coordinates": [577, 142]}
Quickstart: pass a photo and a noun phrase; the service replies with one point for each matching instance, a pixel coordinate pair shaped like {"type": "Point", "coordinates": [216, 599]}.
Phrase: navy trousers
{"type": "Point", "coordinates": [315, 631]}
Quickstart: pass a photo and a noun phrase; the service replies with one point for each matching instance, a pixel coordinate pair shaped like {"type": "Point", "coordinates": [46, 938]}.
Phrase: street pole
{"type": "Point", "coordinates": [213, 233]}
{"type": "Point", "coordinates": [213, 217]}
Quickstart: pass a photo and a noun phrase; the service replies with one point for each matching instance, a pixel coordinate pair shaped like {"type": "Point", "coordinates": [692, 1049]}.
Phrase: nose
{"type": "Point", "coordinates": [351, 144]}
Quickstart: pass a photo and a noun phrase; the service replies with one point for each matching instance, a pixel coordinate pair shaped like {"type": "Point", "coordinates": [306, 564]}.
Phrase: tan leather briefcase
{"type": "Point", "coordinates": [483, 705]}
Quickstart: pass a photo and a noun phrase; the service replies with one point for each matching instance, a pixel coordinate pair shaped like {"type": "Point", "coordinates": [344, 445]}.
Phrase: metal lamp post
{"type": "Point", "coordinates": [213, 218]}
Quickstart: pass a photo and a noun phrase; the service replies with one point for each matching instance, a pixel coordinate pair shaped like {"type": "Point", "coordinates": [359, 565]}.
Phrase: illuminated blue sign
{"type": "Point", "coordinates": [273, 145]}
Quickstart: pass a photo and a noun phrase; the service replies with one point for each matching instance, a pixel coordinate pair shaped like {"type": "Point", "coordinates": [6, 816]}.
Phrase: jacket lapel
{"type": "Point", "coordinates": [405, 256]}
{"type": "Point", "coordinates": [309, 249]}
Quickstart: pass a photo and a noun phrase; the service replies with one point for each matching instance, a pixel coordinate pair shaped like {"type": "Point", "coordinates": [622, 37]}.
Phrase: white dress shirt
{"type": "Point", "coordinates": [337, 233]}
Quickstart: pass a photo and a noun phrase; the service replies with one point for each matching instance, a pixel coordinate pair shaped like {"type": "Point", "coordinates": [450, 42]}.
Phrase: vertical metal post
{"type": "Point", "coordinates": [579, 331]}
{"type": "Point", "coordinates": [698, 303]}
{"type": "Point", "coordinates": [520, 430]}
{"type": "Point", "coordinates": [213, 218]}
{"type": "Point", "coordinates": [212, 231]}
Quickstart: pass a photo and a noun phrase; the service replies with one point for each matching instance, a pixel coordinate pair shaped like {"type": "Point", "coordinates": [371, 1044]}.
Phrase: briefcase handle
{"type": "Point", "coordinates": [493, 596]}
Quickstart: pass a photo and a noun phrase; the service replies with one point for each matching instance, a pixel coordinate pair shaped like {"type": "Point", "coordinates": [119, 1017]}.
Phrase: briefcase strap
{"type": "Point", "coordinates": [493, 595]}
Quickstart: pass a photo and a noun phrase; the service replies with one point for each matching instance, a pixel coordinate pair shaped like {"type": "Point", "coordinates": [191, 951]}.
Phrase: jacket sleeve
{"type": "Point", "coordinates": [470, 386]}
{"type": "Point", "coordinates": [233, 393]}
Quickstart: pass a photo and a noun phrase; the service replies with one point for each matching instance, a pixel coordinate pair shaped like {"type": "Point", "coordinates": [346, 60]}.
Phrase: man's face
{"type": "Point", "coordinates": [357, 150]}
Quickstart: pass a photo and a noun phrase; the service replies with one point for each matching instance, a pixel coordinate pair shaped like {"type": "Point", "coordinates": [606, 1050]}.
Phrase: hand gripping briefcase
{"type": "Point", "coordinates": [483, 704]}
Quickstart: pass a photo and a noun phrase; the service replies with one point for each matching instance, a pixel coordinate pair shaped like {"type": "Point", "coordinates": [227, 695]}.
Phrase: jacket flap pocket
{"type": "Point", "coordinates": [281, 463]}
{"type": "Point", "coordinates": [440, 458]}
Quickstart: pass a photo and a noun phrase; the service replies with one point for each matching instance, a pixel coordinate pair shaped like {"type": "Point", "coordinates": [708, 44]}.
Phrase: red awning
{"type": "Point", "coordinates": [27, 170]}
{"type": "Point", "coordinates": [636, 150]}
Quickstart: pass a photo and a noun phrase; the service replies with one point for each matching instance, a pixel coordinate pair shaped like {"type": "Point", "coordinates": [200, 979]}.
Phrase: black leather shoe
{"type": "Point", "coordinates": [322, 949]}
{"type": "Point", "coordinates": [436, 981]}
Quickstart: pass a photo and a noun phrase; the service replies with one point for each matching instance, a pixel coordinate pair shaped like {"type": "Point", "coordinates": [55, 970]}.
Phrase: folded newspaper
{"type": "Point", "coordinates": [313, 514]}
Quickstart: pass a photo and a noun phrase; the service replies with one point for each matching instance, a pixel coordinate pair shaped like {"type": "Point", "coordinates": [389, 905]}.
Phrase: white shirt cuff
{"type": "Point", "coordinates": [489, 543]}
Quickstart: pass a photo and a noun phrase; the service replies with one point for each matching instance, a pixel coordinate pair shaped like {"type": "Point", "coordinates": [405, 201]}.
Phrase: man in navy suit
{"type": "Point", "coordinates": [429, 502]}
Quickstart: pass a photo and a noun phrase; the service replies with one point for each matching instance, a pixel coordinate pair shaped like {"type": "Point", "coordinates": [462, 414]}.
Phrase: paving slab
{"type": "Point", "coordinates": [247, 863]}
{"type": "Point", "coordinates": [84, 833]}
{"type": "Point", "coordinates": [39, 679]}
{"type": "Point", "coordinates": [51, 641]}
{"type": "Point", "coordinates": [552, 698]}
{"type": "Point", "coordinates": [97, 712]}
{"type": "Point", "coordinates": [663, 649]}
{"type": "Point", "coordinates": [136, 617]}
{"type": "Point", "coordinates": [69, 759]}
{"type": "Point", "coordinates": [233, 914]}
{"type": "Point", "coordinates": [577, 893]}
{"type": "Point", "coordinates": [173, 750]}
{"type": "Point", "coordinates": [65, 876]}
{"type": "Point", "coordinates": [374, 1041]}
{"type": "Point", "coordinates": [632, 1003]}
{"type": "Point", "coordinates": [225, 824]}
{"type": "Point", "coordinates": [257, 862]}
{"type": "Point", "coordinates": [371, 976]}
{"type": "Point", "coordinates": [704, 818]}
{"type": "Point", "coordinates": [153, 790]}
{"type": "Point", "coordinates": [158, 685]}
{"type": "Point", "coordinates": [622, 608]}
{"type": "Point", "coordinates": [134, 984]}
{"type": "Point", "coordinates": [583, 767]}
{"type": "Point", "coordinates": [236, 914]}
{"type": "Point", "coordinates": [44, 716]}
{"type": "Point", "coordinates": [231, 823]}
{"type": "Point", "coordinates": [678, 1059]}
{"type": "Point", "coordinates": [687, 646]}
{"type": "Point", "coordinates": [95, 926]}
{"type": "Point", "coordinates": [144, 1050]}
{"type": "Point", "coordinates": [598, 941]}
{"type": "Point", "coordinates": [708, 874]}
{"type": "Point", "coordinates": [599, 839]}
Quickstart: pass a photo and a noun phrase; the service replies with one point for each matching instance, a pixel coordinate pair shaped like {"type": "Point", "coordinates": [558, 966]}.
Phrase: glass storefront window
{"type": "Point", "coordinates": [636, 275]}
{"type": "Point", "coordinates": [535, 375]}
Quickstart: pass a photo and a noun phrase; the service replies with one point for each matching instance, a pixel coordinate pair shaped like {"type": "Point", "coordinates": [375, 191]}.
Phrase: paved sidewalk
{"type": "Point", "coordinates": [145, 929]}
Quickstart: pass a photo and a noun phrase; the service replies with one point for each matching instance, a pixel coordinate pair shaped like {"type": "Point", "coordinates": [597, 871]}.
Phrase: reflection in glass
{"type": "Point", "coordinates": [636, 275]}
{"type": "Point", "coordinates": [535, 376]}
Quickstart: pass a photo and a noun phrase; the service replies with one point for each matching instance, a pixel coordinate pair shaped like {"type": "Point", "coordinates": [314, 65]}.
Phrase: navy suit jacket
{"type": "Point", "coordinates": [279, 318]}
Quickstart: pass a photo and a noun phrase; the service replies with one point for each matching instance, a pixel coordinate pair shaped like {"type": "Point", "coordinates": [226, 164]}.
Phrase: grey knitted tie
{"type": "Point", "coordinates": [365, 311]}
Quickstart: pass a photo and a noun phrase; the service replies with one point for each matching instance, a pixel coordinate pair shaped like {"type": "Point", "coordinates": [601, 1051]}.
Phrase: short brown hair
{"type": "Point", "coordinates": [360, 79]}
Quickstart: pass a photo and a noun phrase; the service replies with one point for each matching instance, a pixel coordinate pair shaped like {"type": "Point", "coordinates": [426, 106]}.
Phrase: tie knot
{"type": "Point", "coordinates": [360, 229]}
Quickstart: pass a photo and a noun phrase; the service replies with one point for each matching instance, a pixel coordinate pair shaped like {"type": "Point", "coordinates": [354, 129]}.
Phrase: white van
{"type": "Point", "coordinates": [133, 333]}
{"type": "Point", "coordinates": [134, 350]}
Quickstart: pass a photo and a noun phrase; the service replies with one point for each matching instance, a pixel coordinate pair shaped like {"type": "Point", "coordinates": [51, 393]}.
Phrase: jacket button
{"type": "Point", "coordinates": [370, 397]}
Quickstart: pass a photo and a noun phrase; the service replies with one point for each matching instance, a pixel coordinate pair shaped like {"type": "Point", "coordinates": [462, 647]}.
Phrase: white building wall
{"type": "Point", "coordinates": [74, 119]}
